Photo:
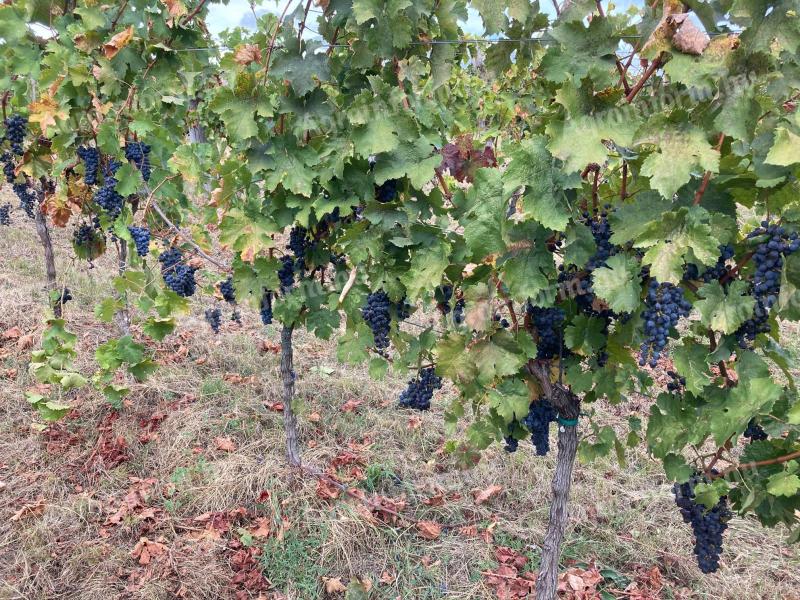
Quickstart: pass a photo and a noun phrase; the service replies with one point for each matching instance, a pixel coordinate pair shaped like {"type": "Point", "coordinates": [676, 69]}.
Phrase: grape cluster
{"type": "Point", "coordinates": [139, 154]}
{"type": "Point", "coordinates": [16, 126]}
{"type": "Point", "coordinates": [665, 307]}
{"type": "Point", "coordinates": [227, 291]}
{"type": "Point", "coordinates": [214, 318]}
{"type": "Point", "coordinates": [298, 242]}
{"type": "Point", "coordinates": [28, 199]}
{"type": "Point", "coordinates": [387, 191]}
{"type": "Point", "coordinates": [502, 321]}
{"type": "Point", "coordinates": [601, 232]}
{"type": "Point", "coordinates": [141, 237]}
{"type": "Point", "coordinates": [540, 415]}
{"type": "Point", "coordinates": [286, 273]}
{"type": "Point", "coordinates": [177, 276]}
{"type": "Point", "coordinates": [547, 322]}
{"type": "Point", "coordinates": [444, 293]}
{"type": "Point", "coordinates": [266, 308]}
{"type": "Point", "coordinates": [707, 525]}
{"type": "Point", "coordinates": [8, 167]}
{"type": "Point", "coordinates": [376, 314]}
{"type": "Point", "coordinates": [458, 311]}
{"type": "Point", "coordinates": [420, 390]}
{"type": "Point", "coordinates": [91, 163]}
{"type": "Point", "coordinates": [715, 273]}
{"type": "Point", "coordinates": [768, 259]}
{"type": "Point", "coordinates": [5, 215]}
{"type": "Point", "coordinates": [84, 235]}
{"type": "Point", "coordinates": [511, 443]}
{"type": "Point", "coordinates": [108, 198]}
{"type": "Point", "coordinates": [64, 297]}
{"type": "Point", "coordinates": [755, 432]}
{"type": "Point", "coordinates": [676, 383]}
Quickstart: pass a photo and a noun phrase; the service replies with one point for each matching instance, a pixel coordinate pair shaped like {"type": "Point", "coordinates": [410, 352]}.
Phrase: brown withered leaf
{"type": "Point", "coordinates": [482, 496]}
{"type": "Point", "coordinates": [314, 417]}
{"type": "Point", "coordinates": [225, 444]}
{"type": "Point", "coordinates": [35, 509]}
{"type": "Point", "coordinates": [414, 423]}
{"type": "Point", "coordinates": [262, 528]}
{"type": "Point", "coordinates": [12, 334]}
{"type": "Point", "coordinates": [46, 111]}
{"type": "Point", "coordinates": [247, 53]}
{"type": "Point", "coordinates": [351, 405]}
{"type": "Point", "coordinates": [112, 47]}
{"type": "Point", "coordinates": [176, 8]}
{"type": "Point", "coordinates": [689, 39]}
{"type": "Point", "coordinates": [429, 530]}
{"type": "Point", "coordinates": [25, 342]}
{"type": "Point", "coordinates": [145, 550]}
{"type": "Point", "coordinates": [334, 585]}
{"type": "Point", "coordinates": [327, 490]}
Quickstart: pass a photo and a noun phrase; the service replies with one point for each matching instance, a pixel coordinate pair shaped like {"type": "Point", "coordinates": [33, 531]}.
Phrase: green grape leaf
{"type": "Point", "coordinates": [786, 483]}
{"type": "Point", "coordinates": [510, 399]}
{"type": "Point", "coordinates": [691, 363]}
{"type": "Point", "coordinates": [585, 335]}
{"type": "Point", "coordinates": [785, 150]}
{"type": "Point", "coordinates": [723, 310]}
{"type": "Point", "coordinates": [618, 283]}
{"type": "Point", "coordinates": [426, 269]}
{"type": "Point", "coordinates": [680, 153]}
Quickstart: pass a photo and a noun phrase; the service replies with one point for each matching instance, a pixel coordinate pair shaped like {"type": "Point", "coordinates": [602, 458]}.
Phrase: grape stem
{"type": "Point", "coordinates": [698, 196]}
{"type": "Point", "coordinates": [754, 465]}
{"type": "Point", "coordinates": [623, 190]}
{"type": "Point", "coordinates": [194, 12]}
{"type": "Point", "coordinates": [509, 303]}
{"type": "Point", "coordinates": [654, 66]}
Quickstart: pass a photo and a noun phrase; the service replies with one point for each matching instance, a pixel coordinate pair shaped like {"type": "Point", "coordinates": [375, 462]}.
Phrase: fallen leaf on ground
{"type": "Point", "coordinates": [225, 444]}
{"type": "Point", "coordinates": [29, 510]}
{"type": "Point", "coordinates": [429, 530]}
{"type": "Point", "coordinates": [334, 585]}
{"type": "Point", "coordinates": [485, 495]}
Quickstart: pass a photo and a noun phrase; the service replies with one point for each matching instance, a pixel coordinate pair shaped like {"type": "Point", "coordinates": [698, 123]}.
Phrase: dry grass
{"type": "Point", "coordinates": [623, 518]}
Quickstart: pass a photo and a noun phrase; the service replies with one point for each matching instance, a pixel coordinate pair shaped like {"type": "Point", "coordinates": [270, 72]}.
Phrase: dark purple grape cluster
{"type": "Point", "coordinates": [387, 191]}
{"type": "Point", "coordinates": [444, 293]}
{"type": "Point", "coordinates": [298, 242]}
{"type": "Point", "coordinates": [511, 444]}
{"type": "Point", "coordinates": [502, 321]}
{"type": "Point", "coordinates": [8, 167]}
{"type": "Point", "coordinates": [5, 215]}
{"type": "Point", "coordinates": [676, 383]}
{"type": "Point", "coordinates": [715, 273]}
{"type": "Point", "coordinates": [548, 323]}
{"type": "Point", "coordinates": [139, 154]}
{"type": "Point", "coordinates": [420, 390]}
{"type": "Point", "coordinates": [266, 308]}
{"type": "Point", "coordinates": [141, 238]}
{"type": "Point", "coordinates": [91, 163]}
{"type": "Point", "coordinates": [214, 318]}
{"type": "Point", "coordinates": [16, 128]}
{"type": "Point", "coordinates": [458, 311]}
{"type": "Point", "coordinates": [601, 232]}
{"type": "Point", "coordinates": [227, 291]}
{"type": "Point", "coordinates": [755, 432]}
{"type": "Point", "coordinates": [707, 525]}
{"type": "Point", "coordinates": [402, 310]}
{"type": "Point", "coordinates": [768, 259]}
{"type": "Point", "coordinates": [177, 276]}
{"type": "Point", "coordinates": [665, 307]}
{"type": "Point", "coordinates": [64, 296]}
{"type": "Point", "coordinates": [537, 421]}
{"type": "Point", "coordinates": [108, 198]}
{"type": "Point", "coordinates": [286, 273]}
{"type": "Point", "coordinates": [84, 235]}
{"type": "Point", "coordinates": [376, 314]}
{"type": "Point", "coordinates": [28, 198]}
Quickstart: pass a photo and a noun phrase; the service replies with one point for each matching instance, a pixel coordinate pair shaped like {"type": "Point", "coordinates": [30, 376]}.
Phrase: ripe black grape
{"type": "Point", "coordinates": [141, 238]}
{"type": "Point", "coordinates": [768, 259]}
{"type": "Point", "coordinates": [84, 235]}
{"type": "Point", "coordinates": [458, 311]}
{"type": "Point", "coordinates": [376, 314]}
{"type": "Point", "coordinates": [707, 525]}
{"type": "Point", "coordinates": [91, 163]}
{"type": "Point", "coordinates": [420, 390]}
{"type": "Point", "coordinates": [108, 198]}
{"type": "Point", "coordinates": [387, 191]}
{"type": "Point", "coordinates": [715, 273]}
{"type": "Point", "coordinates": [8, 167]}
{"type": "Point", "coordinates": [540, 415]}
{"type": "Point", "coordinates": [227, 291]}
{"type": "Point", "coordinates": [676, 384]}
{"type": "Point", "coordinates": [443, 295]}
{"type": "Point", "coordinates": [548, 323]}
{"type": "Point", "coordinates": [266, 308]}
{"type": "Point", "coordinates": [28, 198]}
{"type": "Point", "coordinates": [139, 154]}
{"type": "Point", "coordinates": [16, 127]}
{"type": "Point", "coordinates": [511, 444]}
{"type": "Point", "coordinates": [286, 273]}
{"type": "Point", "coordinates": [601, 232]}
{"type": "Point", "coordinates": [755, 432]}
{"type": "Point", "coordinates": [5, 215]}
{"type": "Point", "coordinates": [214, 317]}
{"type": "Point", "coordinates": [177, 276]}
{"type": "Point", "coordinates": [64, 296]}
{"type": "Point", "coordinates": [298, 241]}
{"type": "Point", "coordinates": [665, 307]}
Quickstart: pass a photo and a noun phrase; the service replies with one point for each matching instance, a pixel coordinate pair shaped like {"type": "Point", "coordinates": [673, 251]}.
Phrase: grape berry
{"type": "Point", "coordinates": [707, 525]}
{"type": "Point", "coordinates": [665, 307]}
{"type": "Point", "coordinates": [213, 317]}
{"type": "Point", "coordinates": [141, 238]}
{"type": "Point", "coordinates": [377, 316]}
{"type": "Point", "coordinates": [420, 390]}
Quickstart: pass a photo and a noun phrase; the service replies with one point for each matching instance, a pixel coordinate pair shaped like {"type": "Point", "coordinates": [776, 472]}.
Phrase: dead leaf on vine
{"type": "Point", "coordinates": [487, 494]}
{"type": "Point", "coordinates": [429, 530]}
{"type": "Point", "coordinates": [46, 112]}
{"type": "Point", "coordinates": [176, 8]}
{"type": "Point", "coordinates": [334, 585]}
{"type": "Point", "coordinates": [112, 47]}
{"type": "Point", "coordinates": [247, 53]}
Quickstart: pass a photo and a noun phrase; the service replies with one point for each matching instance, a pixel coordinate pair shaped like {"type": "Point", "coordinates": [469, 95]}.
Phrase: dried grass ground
{"type": "Point", "coordinates": [185, 492]}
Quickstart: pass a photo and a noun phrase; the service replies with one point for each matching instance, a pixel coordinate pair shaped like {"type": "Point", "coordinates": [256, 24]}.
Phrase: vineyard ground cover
{"type": "Point", "coordinates": [193, 442]}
